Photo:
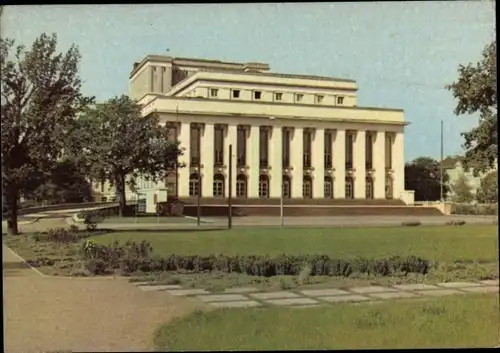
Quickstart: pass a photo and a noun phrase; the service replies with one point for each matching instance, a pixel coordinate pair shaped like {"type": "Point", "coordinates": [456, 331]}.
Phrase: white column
{"type": "Point", "coordinates": [185, 143]}
{"type": "Point", "coordinates": [339, 164]}
{"type": "Point", "coordinates": [276, 160]}
{"type": "Point", "coordinates": [207, 151]}
{"type": "Point", "coordinates": [379, 165]}
{"type": "Point", "coordinates": [398, 165]}
{"type": "Point", "coordinates": [297, 158]}
{"type": "Point", "coordinates": [318, 163]}
{"type": "Point", "coordinates": [253, 162]}
{"type": "Point", "coordinates": [230, 139]}
{"type": "Point", "coordinates": [360, 165]}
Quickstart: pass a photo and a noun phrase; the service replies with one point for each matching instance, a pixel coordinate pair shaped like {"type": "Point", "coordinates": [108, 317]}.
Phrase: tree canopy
{"type": "Point", "coordinates": [40, 96]}
{"type": "Point", "coordinates": [461, 190]}
{"type": "Point", "coordinates": [117, 144]}
{"type": "Point", "coordinates": [488, 191]}
{"type": "Point", "coordinates": [476, 92]}
{"type": "Point", "coordinates": [423, 175]}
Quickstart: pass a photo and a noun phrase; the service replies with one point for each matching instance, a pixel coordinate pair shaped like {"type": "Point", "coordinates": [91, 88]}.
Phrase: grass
{"type": "Point", "coordinates": [448, 244]}
{"type": "Point", "coordinates": [148, 219]}
{"type": "Point", "coordinates": [462, 321]}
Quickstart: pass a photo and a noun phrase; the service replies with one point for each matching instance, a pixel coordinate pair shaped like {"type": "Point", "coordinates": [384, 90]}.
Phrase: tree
{"type": "Point", "coordinates": [119, 145]}
{"type": "Point", "coordinates": [462, 191]}
{"type": "Point", "coordinates": [423, 175]}
{"type": "Point", "coordinates": [66, 184]}
{"type": "Point", "coordinates": [40, 95]}
{"type": "Point", "coordinates": [476, 92]}
{"type": "Point", "coordinates": [488, 191]}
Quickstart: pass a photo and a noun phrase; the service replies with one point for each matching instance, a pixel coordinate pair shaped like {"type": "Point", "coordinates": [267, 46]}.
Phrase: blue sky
{"type": "Point", "coordinates": [401, 54]}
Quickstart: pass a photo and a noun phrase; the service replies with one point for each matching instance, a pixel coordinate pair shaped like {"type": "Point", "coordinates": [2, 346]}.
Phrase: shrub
{"type": "Point", "coordinates": [475, 210]}
{"type": "Point", "coordinates": [455, 223]}
{"type": "Point", "coordinates": [40, 262]}
{"type": "Point", "coordinates": [92, 218]}
{"type": "Point", "coordinates": [411, 223]}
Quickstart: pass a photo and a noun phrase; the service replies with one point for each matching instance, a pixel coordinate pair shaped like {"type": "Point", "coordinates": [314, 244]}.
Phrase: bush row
{"type": "Point", "coordinates": [132, 257]}
{"type": "Point", "coordinates": [477, 210]}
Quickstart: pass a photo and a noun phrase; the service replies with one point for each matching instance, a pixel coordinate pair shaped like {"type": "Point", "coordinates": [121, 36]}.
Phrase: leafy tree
{"type": "Point", "coordinates": [462, 191]}
{"type": "Point", "coordinates": [40, 95]}
{"type": "Point", "coordinates": [66, 184]}
{"type": "Point", "coordinates": [119, 145]}
{"type": "Point", "coordinates": [488, 191]}
{"type": "Point", "coordinates": [476, 91]}
{"type": "Point", "coordinates": [423, 175]}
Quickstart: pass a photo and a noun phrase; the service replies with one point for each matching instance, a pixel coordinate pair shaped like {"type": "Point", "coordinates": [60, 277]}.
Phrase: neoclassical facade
{"type": "Point", "coordinates": [303, 136]}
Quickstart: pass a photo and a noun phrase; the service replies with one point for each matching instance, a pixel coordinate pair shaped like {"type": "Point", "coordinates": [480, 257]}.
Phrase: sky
{"type": "Point", "coordinates": [402, 54]}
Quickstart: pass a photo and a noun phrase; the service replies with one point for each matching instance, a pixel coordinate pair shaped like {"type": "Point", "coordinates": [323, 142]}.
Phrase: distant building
{"type": "Point", "coordinates": [453, 168]}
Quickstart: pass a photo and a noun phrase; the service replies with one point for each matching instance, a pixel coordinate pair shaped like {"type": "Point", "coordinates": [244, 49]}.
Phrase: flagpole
{"type": "Point", "coordinates": [177, 158]}
{"type": "Point", "coordinates": [441, 164]}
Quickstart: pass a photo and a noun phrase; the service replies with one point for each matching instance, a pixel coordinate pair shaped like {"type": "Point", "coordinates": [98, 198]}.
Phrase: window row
{"type": "Point", "coordinates": [307, 187]}
{"type": "Point", "coordinates": [277, 96]}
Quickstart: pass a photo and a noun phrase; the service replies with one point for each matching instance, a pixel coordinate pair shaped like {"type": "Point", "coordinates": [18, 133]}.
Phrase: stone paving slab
{"type": "Point", "coordinates": [221, 298]}
{"type": "Point", "coordinates": [292, 301]}
{"type": "Point", "coordinates": [241, 290]}
{"type": "Point", "coordinates": [345, 298]}
{"type": "Point", "coordinates": [323, 292]}
{"type": "Point", "coordinates": [160, 287]}
{"type": "Point", "coordinates": [415, 286]}
{"type": "Point", "coordinates": [240, 304]}
{"type": "Point", "coordinates": [274, 295]}
{"type": "Point", "coordinates": [186, 292]}
{"type": "Point", "coordinates": [490, 282]}
{"type": "Point", "coordinates": [488, 289]}
{"type": "Point", "coordinates": [398, 295]}
{"type": "Point", "coordinates": [372, 289]}
{"type": "Point", "coordinates": [458, 284]}
{"type": "Point", "coordinates": [440, 292]}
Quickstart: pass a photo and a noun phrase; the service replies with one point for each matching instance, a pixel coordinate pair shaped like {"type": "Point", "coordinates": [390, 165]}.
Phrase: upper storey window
{"type": "Point", "coordinates": [236, 93]}
{"type": "Point", "coordinates": [299, 97]}
{"type": "Point", "coordinates": [257, 95]}
{"type": "Point", "coordinates": [278, 96]}
{"type": "Point", "coordinates": [340, 100]}
{"type": "Point", "coordinates": [214, 92]}
{"type": "Point", "coordinates": [319, 99]}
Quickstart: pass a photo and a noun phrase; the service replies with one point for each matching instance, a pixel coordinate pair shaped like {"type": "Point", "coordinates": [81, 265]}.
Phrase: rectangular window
{"type": "Point", "coordinates": [214, 92]}
{"type": "Point", "coordinates": [236, 93]}
{"type": "Point", "coordinates": [369, 150]}
{"type": "Point", "coordinates": [195, 145]}
{"type": "Point", "coordinates": [349, 150]}
{"type": "Point", "coordinates": [219, 145]}
{"type": "Point", "coordinates": [264, 147]}
{"type": "Point", "coordinates": [278, 96]}
{"type": "Point", "coordinates": [241, 142]}
{"type": "Point", "coordinates": [340, 100]}
{"type": "Point", "coordinates": [328, 149]}
{"type": "Point", "coordinates": [286, 147]}
{"type": "Point", "coordinates": [319, 99]}
{"type": "Point", "coordinates": [299, 97]}
{"type": "Point", "coordinates": [257, 95]}
{"type": "Point", "coordinates": [307, 141]}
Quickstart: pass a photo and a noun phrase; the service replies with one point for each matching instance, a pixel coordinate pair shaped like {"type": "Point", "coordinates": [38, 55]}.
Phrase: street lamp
{"type": "Point", "coordinates": [272, 118]}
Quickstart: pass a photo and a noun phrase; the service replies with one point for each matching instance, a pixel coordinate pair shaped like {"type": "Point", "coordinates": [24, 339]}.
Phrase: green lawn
{"type": "Point", "coordinates": [436, 243]}
{"type": "Point", "coordinates": [148, 219]}
{"type": "Point", "coordinates": [468, 321]}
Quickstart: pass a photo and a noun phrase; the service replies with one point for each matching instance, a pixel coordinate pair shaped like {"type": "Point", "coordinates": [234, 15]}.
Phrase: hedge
{"type": "Point", "coordinates": [133, 257]}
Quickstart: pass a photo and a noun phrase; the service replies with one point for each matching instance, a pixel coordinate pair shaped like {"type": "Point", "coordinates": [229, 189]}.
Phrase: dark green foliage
{"type": "Point", "coordinates": [41, 262]}
{"type": "Point", "coordinates": [455, 223]}
{"type": "Point", "coordinates": [411, 223]}
{"type": "Point", "coordinates": [488, 191]}
{"type": "Point", "coordinates": [476, 92]}
{"type": "Point", "coordinates": [132, 257]}
{"type": "Point", "coordinates": [478, 210]}
{"type": "Point", "coordinates": [40, 99]}
{"type": "Point", "coordinates": [423, 175]}
{"type": "Point", "coordinates": [462, 191]}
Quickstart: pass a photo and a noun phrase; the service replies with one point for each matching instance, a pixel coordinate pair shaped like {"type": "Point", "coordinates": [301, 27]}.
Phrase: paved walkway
{"type": "Point", "coordinates": [251, 297]}
{"type": "Point", "coordinates": [44, 314]}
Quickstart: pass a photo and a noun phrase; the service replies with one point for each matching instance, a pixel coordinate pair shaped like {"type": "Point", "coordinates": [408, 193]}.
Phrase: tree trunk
{"type": "Point", "coordinates": [11, 200]}
{"type": "Point", "coordinates": [120, 191]}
